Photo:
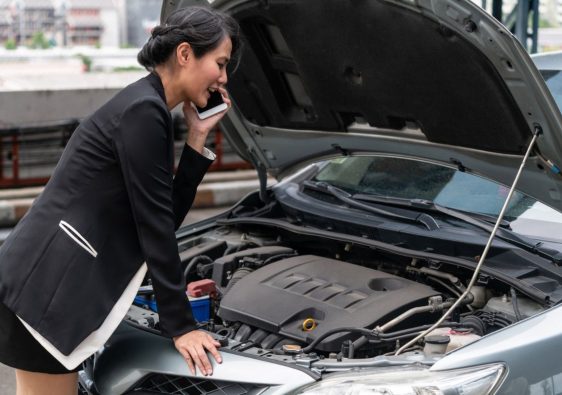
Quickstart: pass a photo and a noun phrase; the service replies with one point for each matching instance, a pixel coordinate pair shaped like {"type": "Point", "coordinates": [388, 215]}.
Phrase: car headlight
{"type": "Point", "coordinates": [410, 380]}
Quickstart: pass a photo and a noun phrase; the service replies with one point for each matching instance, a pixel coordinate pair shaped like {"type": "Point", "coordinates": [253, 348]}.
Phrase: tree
{"type": "Point", "coordinates": [10, 44]}
{"type": "Point", "coordinates": [38, 41]}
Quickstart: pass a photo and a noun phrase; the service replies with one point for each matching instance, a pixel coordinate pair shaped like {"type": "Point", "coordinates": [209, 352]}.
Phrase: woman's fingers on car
{"type": "Point", "coordinates": [188, 359]}
{"type": "Point", "coordinates": [211, 346]}
{"type": "Point", "coordinates": [193, 346]}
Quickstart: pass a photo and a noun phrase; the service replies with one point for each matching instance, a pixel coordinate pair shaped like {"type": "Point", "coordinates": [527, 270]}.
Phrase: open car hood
{"type": "Point", "coordinates": [437, 80]}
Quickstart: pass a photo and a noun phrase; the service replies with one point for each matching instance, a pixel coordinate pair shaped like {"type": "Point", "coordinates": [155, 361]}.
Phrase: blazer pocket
{"type": "Point", "coordinates": [78, 238]}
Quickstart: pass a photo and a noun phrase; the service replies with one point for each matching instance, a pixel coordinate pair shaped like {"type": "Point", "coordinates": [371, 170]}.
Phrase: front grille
{"type": "Point", "coordinates": [177, 385]}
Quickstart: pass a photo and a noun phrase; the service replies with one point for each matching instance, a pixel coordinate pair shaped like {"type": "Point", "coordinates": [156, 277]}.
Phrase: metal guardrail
{"type": "Point", "coordinates": [29, 153]}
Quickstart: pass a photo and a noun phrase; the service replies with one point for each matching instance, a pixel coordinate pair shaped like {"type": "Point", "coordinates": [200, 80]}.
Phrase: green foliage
{"type": "Point", "coordinates": [38, 41]}
{"type": "Point", "coordinates": [10, 44]}
{"type": "Point", "coordinates": [545, 23]}
{"type": "Point", "coordinates": [127, 68]}
{"type": "Point", "coordinates": [86, 62]}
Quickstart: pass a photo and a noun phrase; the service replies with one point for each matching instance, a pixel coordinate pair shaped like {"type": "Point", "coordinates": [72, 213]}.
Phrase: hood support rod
{"type": "Point", "coordinates": [461, 298]}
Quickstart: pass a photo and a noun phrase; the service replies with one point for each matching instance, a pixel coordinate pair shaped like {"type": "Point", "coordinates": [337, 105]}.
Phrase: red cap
{"type": "Point", "coordinates": [201, 288]}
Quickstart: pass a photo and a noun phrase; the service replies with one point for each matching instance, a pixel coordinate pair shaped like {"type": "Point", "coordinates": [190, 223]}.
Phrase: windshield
{"type": "Point", "coordinates": [411, 179]}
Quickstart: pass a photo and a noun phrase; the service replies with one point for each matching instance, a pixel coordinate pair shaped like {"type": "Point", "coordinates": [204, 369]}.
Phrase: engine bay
{"type": "Point", "coordinates": [280, 292]}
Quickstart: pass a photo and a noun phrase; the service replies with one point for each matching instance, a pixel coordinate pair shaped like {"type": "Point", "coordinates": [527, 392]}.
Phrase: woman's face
{"type": "Point", "coordinates": [207, 73]}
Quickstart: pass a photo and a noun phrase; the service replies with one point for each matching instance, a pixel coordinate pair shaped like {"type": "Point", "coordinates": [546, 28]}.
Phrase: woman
{"type": "Point", "coordinates": [71, 268]}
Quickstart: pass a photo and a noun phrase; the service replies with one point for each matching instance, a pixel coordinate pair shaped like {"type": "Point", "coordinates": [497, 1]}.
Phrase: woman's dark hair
{"type": "Point", "coordinates": [203, 28]}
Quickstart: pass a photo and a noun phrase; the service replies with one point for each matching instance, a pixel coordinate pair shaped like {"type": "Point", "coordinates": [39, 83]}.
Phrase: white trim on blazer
{"type": "Point", "coordinates": [96, 339]}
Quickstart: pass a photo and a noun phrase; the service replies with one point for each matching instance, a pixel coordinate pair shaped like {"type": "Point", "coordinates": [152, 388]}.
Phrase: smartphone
{"type": "Point", "coordinates": [215, 104]}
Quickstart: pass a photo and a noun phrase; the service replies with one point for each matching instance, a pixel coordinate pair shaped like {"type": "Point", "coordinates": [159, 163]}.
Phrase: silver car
{"type": "Point", "coordinates": [413, 243]}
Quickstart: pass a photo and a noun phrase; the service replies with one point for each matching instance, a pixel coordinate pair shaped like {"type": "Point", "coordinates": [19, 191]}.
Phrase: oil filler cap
{"type": "Point", "coordinates": [309, 324]}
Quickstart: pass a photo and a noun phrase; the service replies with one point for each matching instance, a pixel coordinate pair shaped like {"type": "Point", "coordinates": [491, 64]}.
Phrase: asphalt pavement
{"type": "Point", "coordinates": [7, 376]}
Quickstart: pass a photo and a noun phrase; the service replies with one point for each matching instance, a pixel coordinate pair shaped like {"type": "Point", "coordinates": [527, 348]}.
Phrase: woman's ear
{"type": "Point", "coordinates": [184, 53]}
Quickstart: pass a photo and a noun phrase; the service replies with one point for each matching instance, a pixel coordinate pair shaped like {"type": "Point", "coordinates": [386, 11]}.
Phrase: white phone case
{"type": "Point", "coordinates": [212, 111]}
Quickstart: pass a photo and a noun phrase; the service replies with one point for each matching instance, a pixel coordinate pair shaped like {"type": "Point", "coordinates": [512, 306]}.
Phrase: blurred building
{"type": "Point", "coordinates": [20, 20]}
{"type": "Point", "coordinates": [62, 22]}
{"type": "Point", "coordinates": [92, 22]}
{"type": "Point", "coordinates": [142, 16]}
{"type": "Point", "coordinates": [6, 20]}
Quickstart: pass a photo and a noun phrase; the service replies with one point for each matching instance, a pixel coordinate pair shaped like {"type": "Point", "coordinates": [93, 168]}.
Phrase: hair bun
{"type": "Point", "coordinates": [203, 28]}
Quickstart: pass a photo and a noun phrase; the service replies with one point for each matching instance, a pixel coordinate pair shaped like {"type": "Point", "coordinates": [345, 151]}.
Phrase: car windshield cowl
{"type": "Point", "coordinates": [347, 198]}
{"type": "Point", "coordinates": [480, 221]}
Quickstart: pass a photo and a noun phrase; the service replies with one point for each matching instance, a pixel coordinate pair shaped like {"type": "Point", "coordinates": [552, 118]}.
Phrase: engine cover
{"type": "Point", "coordinates": [280, 296]}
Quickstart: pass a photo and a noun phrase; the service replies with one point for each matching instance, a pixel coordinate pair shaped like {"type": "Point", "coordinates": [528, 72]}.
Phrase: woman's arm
{"type": "Point", "coordinates": [142, 145]}
{"type": "Point", "coordinates": [191, 169]}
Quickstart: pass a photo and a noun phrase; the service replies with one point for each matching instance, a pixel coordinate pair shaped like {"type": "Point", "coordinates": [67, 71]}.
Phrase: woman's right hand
{"type": "Point", "coordinates": [198, 129]}
{"type": "Point", "coordinates": [193, 346]}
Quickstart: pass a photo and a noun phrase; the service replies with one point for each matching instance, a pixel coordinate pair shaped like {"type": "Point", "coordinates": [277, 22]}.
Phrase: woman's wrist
{"type": "Point", "coordinates": [197, 139]}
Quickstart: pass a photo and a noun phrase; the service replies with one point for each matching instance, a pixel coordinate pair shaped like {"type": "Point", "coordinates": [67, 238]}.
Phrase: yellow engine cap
{"type": "Point", "coordinates": [309, 324]}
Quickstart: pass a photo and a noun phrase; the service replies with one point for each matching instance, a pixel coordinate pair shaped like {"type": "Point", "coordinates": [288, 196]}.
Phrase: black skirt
{"type": "Point", "coordinates": [20, 350]}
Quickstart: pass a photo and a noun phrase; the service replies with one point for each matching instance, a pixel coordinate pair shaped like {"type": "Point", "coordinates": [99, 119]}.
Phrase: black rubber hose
{"type": "Point", "coordinates": [370, 334]}
{"type": "Point", "coordinates": [408, 331]}
{"type": "Point", "coordinates": [393, 335]}
{"type": "Point", "coordinates": [277, 257]}
{"type": "Point", "coordinates": [362, 331]}
{"type": "Point", "coordinates": [194, 261]}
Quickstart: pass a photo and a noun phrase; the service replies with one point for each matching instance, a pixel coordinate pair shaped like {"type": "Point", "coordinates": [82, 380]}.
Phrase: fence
{"type": "Point", "coordinates": [29, 153]}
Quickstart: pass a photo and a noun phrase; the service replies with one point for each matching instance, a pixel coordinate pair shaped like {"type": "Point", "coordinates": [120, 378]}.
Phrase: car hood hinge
{"type": "Point", "coordinates": [262, 175]}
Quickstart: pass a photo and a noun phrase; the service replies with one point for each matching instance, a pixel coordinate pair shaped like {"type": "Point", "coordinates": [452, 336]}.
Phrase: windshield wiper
{"type": "Point", "coordinates": [425, 219]}
{"type": "Point", "coordinates": [504, 233]}
{"type": "Point", "coordinates": [482, 221]}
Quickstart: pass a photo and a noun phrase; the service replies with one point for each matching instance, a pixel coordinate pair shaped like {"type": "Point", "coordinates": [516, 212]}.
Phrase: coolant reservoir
{"type": "Point", "coordinates": [458, 337]}
{"type": "Point", "coordinates": [503, 304]}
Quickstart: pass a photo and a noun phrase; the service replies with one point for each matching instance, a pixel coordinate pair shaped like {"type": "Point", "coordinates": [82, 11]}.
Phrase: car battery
{"type": "Point", "coordinates": [200, 306]}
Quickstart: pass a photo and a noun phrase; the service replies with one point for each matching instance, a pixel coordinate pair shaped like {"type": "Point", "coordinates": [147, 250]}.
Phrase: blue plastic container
{"type": "Point", "coordinates": [201, 306]}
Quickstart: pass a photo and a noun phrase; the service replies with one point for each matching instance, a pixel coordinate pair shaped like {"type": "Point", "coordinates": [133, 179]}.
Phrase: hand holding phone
{"type": "Point", "coordinates": [200, 121]}
{"type": "Point", "coordinates": [215, 104]}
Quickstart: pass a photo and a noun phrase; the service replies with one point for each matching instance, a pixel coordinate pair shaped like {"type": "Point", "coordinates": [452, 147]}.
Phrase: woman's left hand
{"type": "Point", "coordinates": [193, 346]}
{"type": "Point", "coordinates": [198, 129]}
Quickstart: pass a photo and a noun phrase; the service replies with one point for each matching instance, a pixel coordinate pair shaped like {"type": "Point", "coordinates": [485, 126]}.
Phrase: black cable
{"type": "Point", "coordinates": [373, 334]}
{"type": "Point", "coordinates": [393, 339]}
{"type": "Point", "coordinates": [193, 262]}
{"type": "Point", "coordinates": [363, 331]}
{"type": "Point", "coordinates": [420, 328]}
{"type": "Point", "coordinates": [277, 257]}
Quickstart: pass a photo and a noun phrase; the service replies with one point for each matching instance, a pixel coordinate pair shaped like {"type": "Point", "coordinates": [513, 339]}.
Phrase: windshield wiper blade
{"type": "Point", "coordinates": [504, 233]}
{"type": "Point", "coordinates": [479, 220]}
{"type": "Point", "coordinates": [425, 219]}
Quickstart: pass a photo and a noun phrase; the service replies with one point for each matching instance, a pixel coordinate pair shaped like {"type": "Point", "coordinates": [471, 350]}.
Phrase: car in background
{"type": "Point", "coordinates": [386, 260]}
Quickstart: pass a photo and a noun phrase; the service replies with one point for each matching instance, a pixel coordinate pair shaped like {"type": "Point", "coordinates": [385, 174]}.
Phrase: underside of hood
{"type": "Point", "coordinates": [436, 80]}
{"type": "Point", "coordinates": [324, 65]}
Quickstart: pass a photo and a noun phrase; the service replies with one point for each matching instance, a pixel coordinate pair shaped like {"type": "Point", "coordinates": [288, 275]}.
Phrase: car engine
{"type": "Point", "coordinates": [304, 297]}
{"type": "Point", "coordinates": [276, 292]}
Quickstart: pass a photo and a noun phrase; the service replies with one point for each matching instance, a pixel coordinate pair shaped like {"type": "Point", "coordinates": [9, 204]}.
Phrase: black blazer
{"type": "Point", "coordinates": [114, 186]}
